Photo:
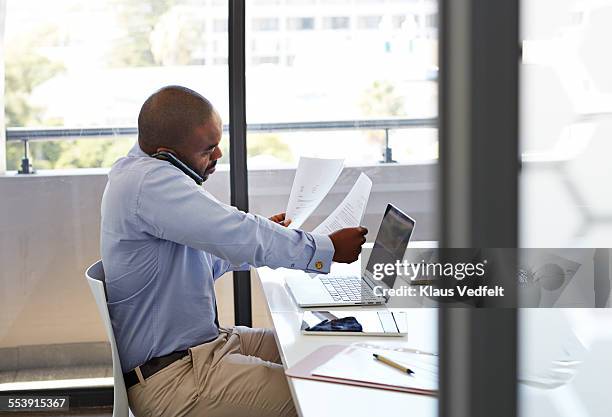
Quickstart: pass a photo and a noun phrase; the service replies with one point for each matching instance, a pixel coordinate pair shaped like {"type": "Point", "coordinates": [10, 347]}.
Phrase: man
{"type": "Point", "coordinates": [164, 240]}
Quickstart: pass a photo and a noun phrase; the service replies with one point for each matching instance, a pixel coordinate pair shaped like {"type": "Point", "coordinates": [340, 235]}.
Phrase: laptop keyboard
{"type": "Point", "coordinates": [350, 289]}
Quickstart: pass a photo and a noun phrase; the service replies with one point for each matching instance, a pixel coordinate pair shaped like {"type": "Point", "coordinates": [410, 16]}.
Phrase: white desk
{"type": "Point", "coordinates": [585, 395]}
{"type": "Point", "coordinates": [320, 399]}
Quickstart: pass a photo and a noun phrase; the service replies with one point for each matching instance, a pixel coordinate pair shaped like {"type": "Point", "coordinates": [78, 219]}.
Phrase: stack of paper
{"type": "Point", "coordinates": [313, 180]}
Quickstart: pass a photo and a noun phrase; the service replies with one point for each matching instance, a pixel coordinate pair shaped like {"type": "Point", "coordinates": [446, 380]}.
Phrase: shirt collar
{"type": "Point", "coordinates": [136, 151]}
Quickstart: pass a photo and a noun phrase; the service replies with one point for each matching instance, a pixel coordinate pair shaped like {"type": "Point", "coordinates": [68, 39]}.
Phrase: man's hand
{"type": "Point", "coordinates": [347, 243]}
{"type": "Point", "coordinates": [280, 219]}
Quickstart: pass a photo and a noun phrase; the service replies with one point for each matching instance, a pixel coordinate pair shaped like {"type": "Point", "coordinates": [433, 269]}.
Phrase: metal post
{"type": "Point", "coordinates": [26, 166]}
{"type": "Point", "coordinates": [238, 150]}
{"type": "Point", "coordinates": [388, 152]}
{"type": "Point", "coordinates": [479, 58]}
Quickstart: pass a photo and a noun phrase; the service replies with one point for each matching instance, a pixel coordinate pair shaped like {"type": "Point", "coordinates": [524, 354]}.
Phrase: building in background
{"type": "Point", "coordinates": [98, 61]}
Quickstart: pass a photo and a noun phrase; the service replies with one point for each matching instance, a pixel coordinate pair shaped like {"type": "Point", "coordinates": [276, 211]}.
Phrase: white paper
{"type": "Point", "coordinates": [313, 180]}
{"type": "Point", "coordinates": [350, 212]}
{"type": "Point", "coordinates": [358, 364]}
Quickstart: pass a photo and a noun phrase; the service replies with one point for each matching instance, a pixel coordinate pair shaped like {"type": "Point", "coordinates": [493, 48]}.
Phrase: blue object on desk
{"type": "Point", "coordinates": [344, 324]}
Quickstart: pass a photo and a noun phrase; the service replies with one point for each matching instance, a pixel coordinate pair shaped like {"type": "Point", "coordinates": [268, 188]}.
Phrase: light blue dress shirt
{"type": "Point", "coordinates": [164, 240]}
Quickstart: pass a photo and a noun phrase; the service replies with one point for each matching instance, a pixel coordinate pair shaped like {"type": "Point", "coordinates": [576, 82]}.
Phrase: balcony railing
{"type": "Point", "coordinates": [26, 135]}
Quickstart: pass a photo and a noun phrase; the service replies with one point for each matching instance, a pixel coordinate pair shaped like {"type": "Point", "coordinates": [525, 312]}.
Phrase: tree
{"type": "Point", "coordinates": [270, 145]}
{"type": "Point", "coordinates": [260, 144]}
{"type": "Point", "coordinates": [25, 69]}
{"type": "Point", "coordinates": [93, 153]}
{"type": "Point", "coordinates": [177, 35]}
{"type": "Point", "coordinates": [138, 19]}
{"type": "Point", "coordinates": [381, 100]}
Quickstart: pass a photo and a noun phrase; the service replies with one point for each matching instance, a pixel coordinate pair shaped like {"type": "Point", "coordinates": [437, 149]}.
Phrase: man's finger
{"type": "Point", "coordinates": [278, 218]}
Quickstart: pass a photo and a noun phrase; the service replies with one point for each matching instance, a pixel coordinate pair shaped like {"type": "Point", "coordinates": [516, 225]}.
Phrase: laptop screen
{"type": "Point", "coordinates": [391, 241]}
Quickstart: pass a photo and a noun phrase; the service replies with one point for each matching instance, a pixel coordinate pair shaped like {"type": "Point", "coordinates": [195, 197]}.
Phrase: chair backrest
{"type": "Point", "coordinates": [95, 278]}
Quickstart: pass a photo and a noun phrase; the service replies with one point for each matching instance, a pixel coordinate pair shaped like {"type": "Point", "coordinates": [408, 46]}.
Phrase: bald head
{"type": "Point", "coordinates": [178, 120]}
{"type": "Point", "coordinates": [169, 117]}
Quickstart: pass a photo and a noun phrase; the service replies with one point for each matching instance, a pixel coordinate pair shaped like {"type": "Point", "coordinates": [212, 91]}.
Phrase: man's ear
{"type": "Point", "coordinates": [162, 149]}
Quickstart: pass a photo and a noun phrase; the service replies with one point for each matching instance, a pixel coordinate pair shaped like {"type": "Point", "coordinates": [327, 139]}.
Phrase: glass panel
{"type": "Point", "coordinates": [72, 65]}
{"type": "Point", "coordinates": [77, 64]}
{"type": "Point", "coordinates": [566, 102]}
{"type": "Point", "coordinates": [345, 79]}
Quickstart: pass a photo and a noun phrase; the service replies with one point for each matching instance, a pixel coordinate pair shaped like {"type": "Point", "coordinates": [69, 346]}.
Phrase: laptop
{"type": "Point", "coordinates": [334, 290]}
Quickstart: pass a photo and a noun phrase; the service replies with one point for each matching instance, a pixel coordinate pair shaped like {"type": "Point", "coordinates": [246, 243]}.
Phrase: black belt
{"type": "Point", "coordinates": [153, 366]}
{"type": "Point", "coordinates": [157, 364]}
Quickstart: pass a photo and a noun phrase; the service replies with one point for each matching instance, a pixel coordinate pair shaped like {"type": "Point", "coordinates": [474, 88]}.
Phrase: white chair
{"type": "Point", "coordinates": [95, 278]}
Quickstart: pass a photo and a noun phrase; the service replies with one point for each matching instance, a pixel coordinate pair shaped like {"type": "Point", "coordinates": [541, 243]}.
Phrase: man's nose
{"type": "Point", "coordinates": [217, 154]}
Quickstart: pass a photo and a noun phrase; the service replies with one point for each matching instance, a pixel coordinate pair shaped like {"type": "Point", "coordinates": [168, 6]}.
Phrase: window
{"type": "Point", "coordinates": [300, 23]}
{"type": "Point", "coordinates": [258, 60]}
{"type": "Point", "coordinates": [566, 128]}
{"type": "Point", "coordinates": [77, 65]}
{"type": "Point", "coordinates": [317, 79]}
{"type": "Point", "coordinates": [265, 23]}
{"type": "Point", "coordinates": [118, 51]}
{"type": "Point", "coordinates": [336, 22]}
{"type": "Point", "coordinates": [368, 22]}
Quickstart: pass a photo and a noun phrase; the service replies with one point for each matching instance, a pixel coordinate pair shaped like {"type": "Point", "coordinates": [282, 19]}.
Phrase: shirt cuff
{"type": "Point", "coordinates": [322, 257]}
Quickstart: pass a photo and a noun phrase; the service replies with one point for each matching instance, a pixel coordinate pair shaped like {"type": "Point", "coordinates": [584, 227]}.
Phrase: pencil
{"type": "Point", "coordinates": [393, 364]}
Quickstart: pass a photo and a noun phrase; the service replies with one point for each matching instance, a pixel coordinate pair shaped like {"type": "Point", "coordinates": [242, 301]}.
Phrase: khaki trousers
{"type": "Point", "coordinates": [237, 374]}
